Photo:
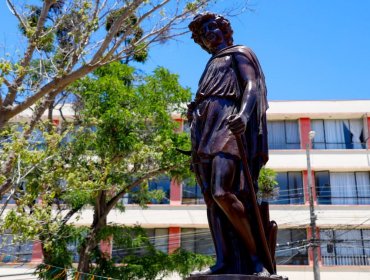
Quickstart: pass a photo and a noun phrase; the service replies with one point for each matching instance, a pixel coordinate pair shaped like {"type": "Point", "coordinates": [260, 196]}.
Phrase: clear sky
{"type": "Point", "coordinates": [309, 49]}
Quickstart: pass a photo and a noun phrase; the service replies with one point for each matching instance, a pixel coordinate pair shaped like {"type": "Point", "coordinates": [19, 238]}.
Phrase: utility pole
{"type": "Point", "coordinates": [313, 217]}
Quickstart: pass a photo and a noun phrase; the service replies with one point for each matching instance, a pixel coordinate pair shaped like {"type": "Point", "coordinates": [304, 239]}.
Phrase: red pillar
{"type": "Point", "coordinates": [56, 122]}
{"type": "Point", "coordinates": [175, 187]}
{"type": "Point", "coordinates": [37, 256]}
{"type": "Point", "coordinates": [310, 250]}
{"type": "Point", "coordinates": [180, 122]}
{"type": "Point", "coordinates": [106, 247]}
{"type": "Point", "coordinates": [304, 129]}
{"type": "Point", "coordinates": [175, 192]}
{"type": "Point", "coordinates": [174, 239]}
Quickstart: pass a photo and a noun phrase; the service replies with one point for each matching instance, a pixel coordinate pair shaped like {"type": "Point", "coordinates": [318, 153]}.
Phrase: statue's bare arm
{"type": "Point", "coordinates": [247, 75]}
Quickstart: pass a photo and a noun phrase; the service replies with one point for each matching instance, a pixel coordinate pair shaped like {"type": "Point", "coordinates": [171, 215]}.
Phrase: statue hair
{"type": "Point", "coordinates": [223, 24]}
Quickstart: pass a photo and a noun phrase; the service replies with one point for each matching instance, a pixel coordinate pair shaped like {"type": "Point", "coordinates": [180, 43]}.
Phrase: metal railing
{"type": "Point", "coordinates": [346, 260]}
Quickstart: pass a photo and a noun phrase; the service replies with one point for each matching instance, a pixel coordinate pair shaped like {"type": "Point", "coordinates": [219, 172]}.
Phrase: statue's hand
{"type": "Point", "coordinates": [237, 123]}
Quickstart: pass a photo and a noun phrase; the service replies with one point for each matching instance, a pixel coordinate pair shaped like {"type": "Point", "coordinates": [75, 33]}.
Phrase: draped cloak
{"type": "Point", "coordinates": [219, 96]}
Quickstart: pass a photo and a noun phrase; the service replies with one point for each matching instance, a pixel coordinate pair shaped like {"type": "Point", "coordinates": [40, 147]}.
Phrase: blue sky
{"type": "Point", "coordinates": [309, 49]}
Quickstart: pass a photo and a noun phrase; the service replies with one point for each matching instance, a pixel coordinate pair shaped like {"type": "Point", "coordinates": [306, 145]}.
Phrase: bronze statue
{"type": "Point", "coordinates": [229, 147]}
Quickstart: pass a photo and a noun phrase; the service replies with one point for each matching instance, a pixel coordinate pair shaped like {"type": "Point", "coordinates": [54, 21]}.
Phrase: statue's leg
{"type": "Point", "coordinates": [203, 173]}
{"type": "Point", "coordinates": [224, 172]}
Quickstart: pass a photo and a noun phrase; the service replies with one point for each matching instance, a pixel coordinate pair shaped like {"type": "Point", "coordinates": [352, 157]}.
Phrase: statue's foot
{"type": "Point", "coordinates": [263, 273]}
{"type": "Point", "coordinates": [216, 269]}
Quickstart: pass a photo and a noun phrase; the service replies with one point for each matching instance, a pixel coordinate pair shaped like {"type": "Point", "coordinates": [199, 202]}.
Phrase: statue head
{"type": "Point", "coordinates": [198, 33]}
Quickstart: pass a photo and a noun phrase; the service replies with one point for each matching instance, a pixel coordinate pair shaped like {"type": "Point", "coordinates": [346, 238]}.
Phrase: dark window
{"type": "Point", "coordinates": [191, 193]}
{"type": "Point", "coordinates": [162, 183]}
{"type": "Point", "coordinates": [157, 236]}
{"type": "Point", "coordinates": [73, 247]}
{"type": "Point", "coordinates": [291, 247]}
{"type": "Point", "coordinates": [345, 247]}
{"type": "Point", "coordinates": [322, 183]}
{"type": "Point", "coordinates": [186, 127]}
{"type": "Point", "coordinates": [343, 188]}
{"type": "Point", "coordinates": [283, 135]}
{"type": "Point", "coordinates": [338, 134]}
{"type": "Point", "coordinates": [11, 251]}
{"type": "Point", "coordinates": [197, 240]}
{"type": "Point", "coordinates": [290, 188]}
{"type": "Point", "coordinates": [6, 197]}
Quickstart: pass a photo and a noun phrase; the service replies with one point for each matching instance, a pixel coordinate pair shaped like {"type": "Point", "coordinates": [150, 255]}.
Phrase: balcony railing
{"type": "Point", "coordinates": [346, 260]}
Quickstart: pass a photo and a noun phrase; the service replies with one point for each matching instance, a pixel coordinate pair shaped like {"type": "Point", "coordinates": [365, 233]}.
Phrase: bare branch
{"type": "Point", "coordinates": [5, 187]}
{"type": "Point", "coordinates": [37, 114]}
{"type": "Point", "coordinates": [15, 12]}
{"type": "Point", "coordinates": [114, 29]}
{"type": "Point", "coordinates": [54, 87]}
{"type": "Point", "coordinates": [129, 31]}
{"type": "Point", "coordinates": [69, 215]}
{"type": "Point", "coordinates": [6, 82]}
{"type": "Point", "coordinates": [62, 71]}
{"type": "Point", "coordinates": [7, 201]}
{"type": "Point", "coordinates": [9, 99]}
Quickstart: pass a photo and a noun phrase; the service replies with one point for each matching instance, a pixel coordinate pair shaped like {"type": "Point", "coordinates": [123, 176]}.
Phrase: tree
{"type": "Point", "coordinates": [123, 136]}
{"type": "Point", "coordinates": [267, 184]}
{"type": "Point", "coordinates": [142, 260]}
{"type": "Point", "coordinates": [66, 40]}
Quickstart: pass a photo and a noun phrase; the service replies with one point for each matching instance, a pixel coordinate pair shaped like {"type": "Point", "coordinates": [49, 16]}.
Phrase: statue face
{"type": "Point", "coordinates": [212, 36]}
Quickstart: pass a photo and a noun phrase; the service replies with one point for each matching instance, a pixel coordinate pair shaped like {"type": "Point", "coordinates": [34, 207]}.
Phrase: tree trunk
{"type": "Point", "coordinates": [100, 220]}
{"type": "Point", "coordinates": [86, 250]}
{"type": "Point", "coordinates": [4, 118]}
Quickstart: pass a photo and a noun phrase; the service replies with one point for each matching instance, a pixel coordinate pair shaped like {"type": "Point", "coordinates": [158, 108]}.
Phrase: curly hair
{"type": "Point", "coordinates": [223, 24]}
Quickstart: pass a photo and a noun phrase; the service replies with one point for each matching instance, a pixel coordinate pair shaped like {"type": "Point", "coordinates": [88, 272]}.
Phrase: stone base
{"type": "Point", "coordinates": [232, 277]}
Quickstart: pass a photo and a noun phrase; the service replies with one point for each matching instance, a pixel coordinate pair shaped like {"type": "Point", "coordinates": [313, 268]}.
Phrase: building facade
{"type": "Point", "coordinates": [340, 172]}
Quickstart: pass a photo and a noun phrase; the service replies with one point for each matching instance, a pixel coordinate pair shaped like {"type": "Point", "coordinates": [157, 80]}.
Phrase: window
{"type": "Point", "coordinates": [5, 198]}
{"type": "Point", "coordinates": [73, 247]}
{"type": "Point", "coordinates": [11, 251]}
{"type": "Point", "coordinates": [342, 187]}
{"type": "Point", "coordinates": [197, 240]}
{"type": "Point", "coordinates": [186, 127]}
{"type": "Point", "coordinates": [290, 247]}
{"type": "Point", "coordinates": [191, 193]}
{"type": "Point", "coordinates": [345, 247]}
{"type": "Point", "coordinates": [283, 135]}
{"type": "Point", "coordinates": [162, 183]}
{"type": "Point", "coordinates": [159, 238]}
{"type": "Point", "coordinates": [338, 134]}
{"type": "Point", "coordinates": [290, 188]}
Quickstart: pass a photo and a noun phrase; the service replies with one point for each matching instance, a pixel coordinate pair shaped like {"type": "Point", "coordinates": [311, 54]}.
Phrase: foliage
{"type": "Point", "coordinates": [123, 136]}
{"type": "Point", "coordinates": [267, 184]}
{"type": "Point", "coordinates": [58, 254]}
{"type": "Point", "coordinates": [143, 261]}
{"type": "Point", "coordinates": [69, 39]}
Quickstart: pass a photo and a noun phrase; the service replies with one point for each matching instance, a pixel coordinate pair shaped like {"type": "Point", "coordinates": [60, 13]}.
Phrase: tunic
{"type": "Point", "coordinates": [218, 96]}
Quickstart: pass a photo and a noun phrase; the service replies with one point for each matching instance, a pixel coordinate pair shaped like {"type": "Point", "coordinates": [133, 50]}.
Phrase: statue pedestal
{"type": "Point", "coordinates": [232, 277]}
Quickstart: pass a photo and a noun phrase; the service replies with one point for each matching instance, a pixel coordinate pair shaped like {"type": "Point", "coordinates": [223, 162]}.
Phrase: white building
{"type": "Point", "coordinates": [340, 161]}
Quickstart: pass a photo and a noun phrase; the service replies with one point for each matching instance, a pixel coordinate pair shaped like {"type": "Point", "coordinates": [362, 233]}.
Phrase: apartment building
{"type": "Point", "coordinates": [340, 172]}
